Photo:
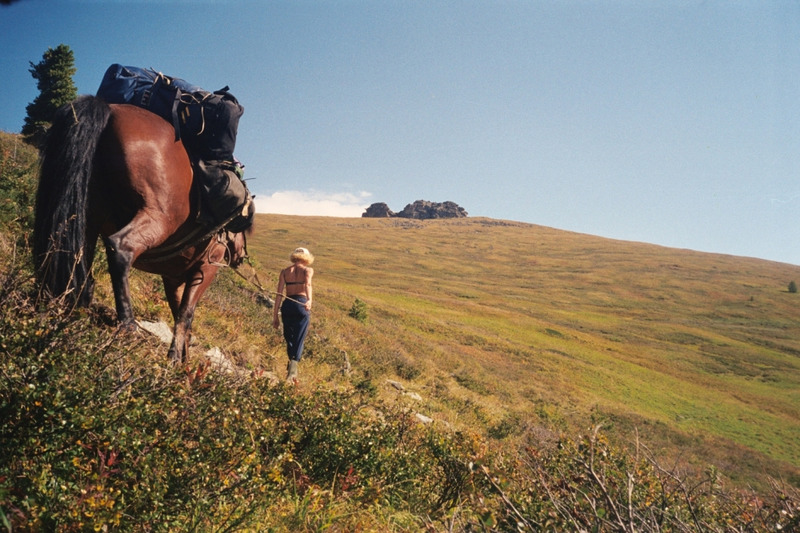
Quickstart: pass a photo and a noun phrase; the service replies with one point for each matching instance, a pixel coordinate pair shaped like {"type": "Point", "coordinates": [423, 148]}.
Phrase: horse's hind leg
{"type": "Point", "coordinates": [122, 248]}
{"type": "Point", "coordinates": [119, 267]}
{"type": "Point", "coordinates": [87, 291]}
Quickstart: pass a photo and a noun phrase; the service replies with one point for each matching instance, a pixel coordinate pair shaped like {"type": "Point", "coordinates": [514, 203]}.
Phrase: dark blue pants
{"type": "Point", "coordinates": [295, 325]}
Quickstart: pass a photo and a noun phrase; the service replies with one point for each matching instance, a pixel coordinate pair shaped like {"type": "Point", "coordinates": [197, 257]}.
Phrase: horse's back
{"type": "Point", "coordinates": [143, 167]}
{"type": "Point", "coordinates": [149, 148]}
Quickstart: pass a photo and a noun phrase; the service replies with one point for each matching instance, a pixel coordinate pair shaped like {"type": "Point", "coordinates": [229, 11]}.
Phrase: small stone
{"type": "Point", "coordinates": [424, 419]}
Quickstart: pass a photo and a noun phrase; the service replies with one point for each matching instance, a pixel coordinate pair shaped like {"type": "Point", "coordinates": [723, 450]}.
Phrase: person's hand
{"type": "Point", "coordinates": [308, 305]}
{"type": "Point", "coordinates": [276, 323]}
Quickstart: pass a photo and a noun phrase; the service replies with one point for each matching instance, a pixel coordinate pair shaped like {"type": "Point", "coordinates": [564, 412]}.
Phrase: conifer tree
{"type": "Point", "coordinates": [56, 88]}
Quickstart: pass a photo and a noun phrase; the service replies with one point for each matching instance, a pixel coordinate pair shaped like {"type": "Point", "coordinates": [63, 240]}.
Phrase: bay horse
{"type": "Point", "coordinates": [117, 171]}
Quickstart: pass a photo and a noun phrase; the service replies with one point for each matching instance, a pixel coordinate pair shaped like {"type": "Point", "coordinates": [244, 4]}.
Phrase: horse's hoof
{"type": "Point", "coordinates": [129, 327]}
{"type": "Point", "coordinates": [174, 357]}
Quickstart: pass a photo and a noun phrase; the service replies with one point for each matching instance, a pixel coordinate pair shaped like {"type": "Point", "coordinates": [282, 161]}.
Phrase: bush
{"type": "Point", "coordinates": [18, 174]}
{"type": "Point", "coordinates": [792, 287]}
{"type": "Point", "coordinates": [100, 435]}
{"type": "Point", "coordinates": [99, 432]}
{"type": "Point", "coordinates": [590, 485]}
{"type": "Point", "coordinates": [359, 311]}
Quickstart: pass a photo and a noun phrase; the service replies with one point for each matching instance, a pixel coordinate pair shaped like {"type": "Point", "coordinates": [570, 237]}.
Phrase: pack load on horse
{"type": "Point", "coordinates": [116, 171]}
{"type": "Point", "coordinates": [206, 123]}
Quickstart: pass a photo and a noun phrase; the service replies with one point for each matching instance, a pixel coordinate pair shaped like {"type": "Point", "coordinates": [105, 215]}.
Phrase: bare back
{"type": "Point", "coordinates": [297, 279]}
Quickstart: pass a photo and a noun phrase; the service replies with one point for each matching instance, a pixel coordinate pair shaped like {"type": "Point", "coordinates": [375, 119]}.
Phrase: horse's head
{"type": "Point", "coordinates": [237, 246]}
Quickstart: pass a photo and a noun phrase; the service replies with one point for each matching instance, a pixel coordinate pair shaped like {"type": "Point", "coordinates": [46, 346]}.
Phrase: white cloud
{"type": "Point", "coordinates": [313, 203]}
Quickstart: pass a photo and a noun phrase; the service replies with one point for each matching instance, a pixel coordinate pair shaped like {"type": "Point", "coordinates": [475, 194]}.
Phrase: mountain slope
{"type": "Point", "coordinates": [511, 337]}
{"type": "Point", "coordinates": [499, 324]}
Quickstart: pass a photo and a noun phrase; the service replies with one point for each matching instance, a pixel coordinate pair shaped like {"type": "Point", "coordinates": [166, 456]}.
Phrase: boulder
{"type": "Point", "coordinates": [424, 210]}
{"type": "Point", "coordinates": [378, 210]}
{"type": "Point", "coordinates": [419, 210]}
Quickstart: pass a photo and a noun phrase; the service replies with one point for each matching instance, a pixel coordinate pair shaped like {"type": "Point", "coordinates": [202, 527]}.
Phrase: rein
{"type": "Point", "coordinates": [257, 283]}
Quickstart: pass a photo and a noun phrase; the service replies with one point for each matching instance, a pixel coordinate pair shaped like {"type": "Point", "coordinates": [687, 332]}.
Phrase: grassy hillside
{"type": "Point", "coordinates": [18, 165]}
{"type": "Point", "coordinates": [571, 383]}
{"type": "Point", "coordinates": [500, 324]}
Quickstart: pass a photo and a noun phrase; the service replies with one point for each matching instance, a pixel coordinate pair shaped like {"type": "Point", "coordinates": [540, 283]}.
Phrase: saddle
{"type": "Point", "coordinates": [206, 123]}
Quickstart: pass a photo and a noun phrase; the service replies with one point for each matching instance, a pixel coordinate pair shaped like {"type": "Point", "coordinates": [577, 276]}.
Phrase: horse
{"type": "Point", "coordinates": [117, 172]}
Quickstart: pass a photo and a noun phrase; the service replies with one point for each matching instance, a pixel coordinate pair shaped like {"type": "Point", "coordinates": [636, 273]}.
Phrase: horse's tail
{"type": "Point", "coordinates": [61, 256]}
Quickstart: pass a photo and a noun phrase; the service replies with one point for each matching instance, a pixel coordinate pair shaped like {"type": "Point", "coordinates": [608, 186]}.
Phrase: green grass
{"type": "Point", "coordinates": [520, 342]}
{"type": "Point", "coordinates": [702, 343]}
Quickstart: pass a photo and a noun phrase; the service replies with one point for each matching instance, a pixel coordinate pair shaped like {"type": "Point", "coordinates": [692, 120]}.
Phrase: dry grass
{"type": "Point", "coordinates": [500, 324]}
{"type": "Point", "coordinates": [491, 319]}
{"type": "Point", "coordinates": [517, 336]}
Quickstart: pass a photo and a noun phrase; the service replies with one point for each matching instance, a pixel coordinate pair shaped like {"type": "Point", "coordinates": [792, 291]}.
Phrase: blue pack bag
{"type": "Point", "coordinates": [206, 122]}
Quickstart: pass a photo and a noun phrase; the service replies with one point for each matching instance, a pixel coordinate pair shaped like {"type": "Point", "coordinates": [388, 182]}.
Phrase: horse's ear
{"type": "Point", "coordinates": [252, 227]}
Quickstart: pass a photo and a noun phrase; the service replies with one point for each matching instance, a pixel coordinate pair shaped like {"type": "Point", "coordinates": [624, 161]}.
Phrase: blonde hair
{"type": "Point", "coordinates": [302, 255]}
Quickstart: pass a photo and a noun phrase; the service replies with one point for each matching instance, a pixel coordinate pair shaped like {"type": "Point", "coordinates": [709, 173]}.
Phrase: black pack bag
{"type": "Point", "coordinates": [206, 122]}
{"type": "Point", "coordinates": [232, 203]}
{"type": "Point", "coordinates": [209, 123]}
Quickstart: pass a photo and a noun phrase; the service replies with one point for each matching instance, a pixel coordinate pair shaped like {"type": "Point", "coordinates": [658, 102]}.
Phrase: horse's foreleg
{"type": "Point", "coordinates": [173, 289]}
{"type": "Point", "coordinates": [187, 295]}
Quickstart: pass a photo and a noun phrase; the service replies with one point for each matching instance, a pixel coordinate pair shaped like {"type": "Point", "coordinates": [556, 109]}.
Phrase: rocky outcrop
{"type": "Point", "coordinates": [423, 210]}
{"type": "Point", "coordinates": [419, 210]}
{"type": "Point", "coordinates": [378, 210]}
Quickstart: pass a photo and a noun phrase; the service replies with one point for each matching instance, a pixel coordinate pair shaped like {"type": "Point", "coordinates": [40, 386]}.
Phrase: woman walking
{"type": "Point", "coordinates": [294, 302]}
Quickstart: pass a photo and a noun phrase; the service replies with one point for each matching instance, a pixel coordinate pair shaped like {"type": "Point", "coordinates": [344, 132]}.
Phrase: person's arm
{"type": "Point", "coordinates": [278, 299]}
{"type": "Point", "coordinates": [309, 275]}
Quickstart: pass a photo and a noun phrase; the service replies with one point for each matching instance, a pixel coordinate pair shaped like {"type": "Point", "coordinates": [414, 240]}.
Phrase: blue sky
{"type": "Point", "coordinates": [673, 123]}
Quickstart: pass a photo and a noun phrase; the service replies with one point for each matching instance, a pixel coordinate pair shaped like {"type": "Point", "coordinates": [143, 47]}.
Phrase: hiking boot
{"type": "Point", "coordinates": [291, 371]}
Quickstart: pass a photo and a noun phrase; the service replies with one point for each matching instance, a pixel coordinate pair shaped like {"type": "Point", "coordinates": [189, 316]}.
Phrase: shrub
{"type": "Point", "coordinates": [18, 174]}
{"type": "Point", "coordinates": [99, 432]}
{"type": "Point", "coordinates": [792, 287]}
{"type": "Point", "coordinates": [359, 311]}
{"type": "Point", "coordinates": [100, 435]}
{"type": "Point", "coordinates": [590, 485]}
